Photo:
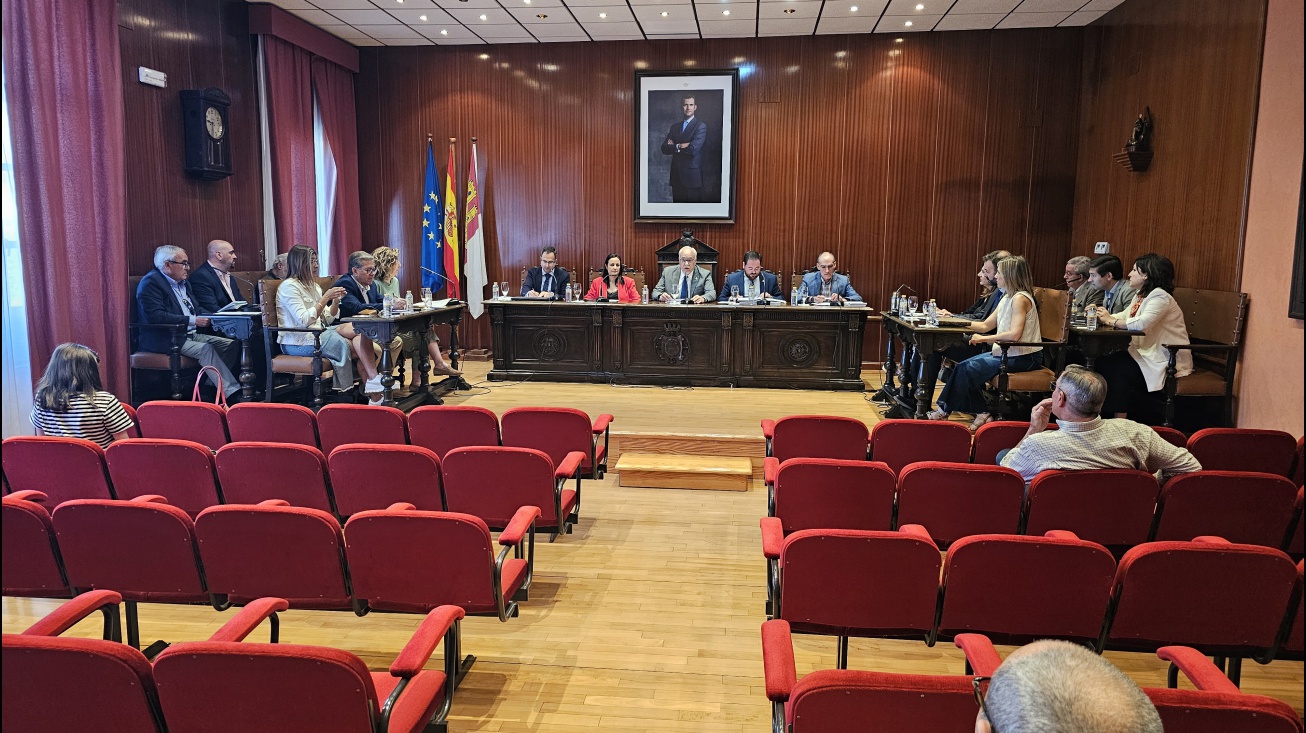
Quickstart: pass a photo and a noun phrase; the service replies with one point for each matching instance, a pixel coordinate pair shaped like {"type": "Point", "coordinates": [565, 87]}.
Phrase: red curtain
{"type": "Point", "coordinates": [66, 112]}
{"type": "Point", "coordinates": [334, 86]}
{"type": "Point", "coordinates": [290, 131]}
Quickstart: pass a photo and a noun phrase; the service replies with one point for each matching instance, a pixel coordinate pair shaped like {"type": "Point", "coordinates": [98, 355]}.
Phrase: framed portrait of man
{"type": "Point", "coordinates": [685, 145]}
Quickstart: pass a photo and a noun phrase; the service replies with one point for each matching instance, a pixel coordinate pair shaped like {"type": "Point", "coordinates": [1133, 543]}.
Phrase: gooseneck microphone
{"type": "Point", "coordinates": [441, 276]}
{"type": "Point", "coordinates": [252, 286]}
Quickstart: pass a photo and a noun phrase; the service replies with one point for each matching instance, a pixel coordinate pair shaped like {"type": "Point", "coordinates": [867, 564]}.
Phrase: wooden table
{"type": "Point", "coordinates": [383, 330]}
{"type": "Point", "coordinates": [779, 346]}
{"type": "Point", "coordinates": [240, 325]}
{"type": "Point", "coordinates": [1098, 342]}
{"type": "Point", "coordinates": [915, 335]}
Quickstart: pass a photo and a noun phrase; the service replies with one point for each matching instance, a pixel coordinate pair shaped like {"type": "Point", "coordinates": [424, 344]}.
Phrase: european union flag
{"type": "Point", "coordinates": [432, 226]}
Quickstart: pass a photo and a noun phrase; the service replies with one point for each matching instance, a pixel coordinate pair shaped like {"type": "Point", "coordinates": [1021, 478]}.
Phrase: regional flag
{"type": "Point", "coordinates": [476, 277]}
{"type": "Point", "coordinates": [432, 226]}
{"type": "Point", "coordinates": [452, 260]}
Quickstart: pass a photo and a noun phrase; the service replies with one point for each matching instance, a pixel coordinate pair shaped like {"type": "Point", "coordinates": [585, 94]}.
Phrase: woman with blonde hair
{"type": "Point", "coordinates": [70, 403]}
{"type": "Point", "coordinates": [387, 279]}
{"type": "Point", "coordinates": [1015, 319]}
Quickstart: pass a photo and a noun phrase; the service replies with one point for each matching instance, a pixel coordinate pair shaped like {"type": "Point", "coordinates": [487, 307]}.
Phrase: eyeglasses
{"type": "Point", "coordinates": [183, 263]}
{"type": "Point", "coordinates": [690, 259]}
{"type": "Point", "coordinates": [369, 270]}
{"type": "Point", "coordinates": [979, 700]}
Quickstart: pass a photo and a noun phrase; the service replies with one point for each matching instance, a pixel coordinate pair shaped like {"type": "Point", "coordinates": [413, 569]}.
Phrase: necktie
{"type": "Point", "coordinates": [684, 125]}
{"type": "Point", "coordinates": [1106, 302]}
{"type": "Point", "coordinates": [684, 287]}
{"type": "Point", "coordinates": [548, 284]}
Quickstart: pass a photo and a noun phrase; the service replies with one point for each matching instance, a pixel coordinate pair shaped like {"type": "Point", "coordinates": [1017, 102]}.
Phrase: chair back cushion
{"type": "Point", "coordinates": [255, 472]}
{"type": "Point", "coordinates": [1244, 508]}
{"type": "Point", "coordinates": [180, 470]}
{"type": "Point", "coordinates": [1194, 711]}
{"type": "Point", "coordinates": [31, 564]}
{"type": "Point", "coordinates": [900, 443]}
{"type": "Point", "coordinates": [1244, 449]}
{"type": "Point", "coordinates": [1053, 312]}
{"type": "Point", "coordinates": [493, 483]}
{"type": "Point", "coordinates": [847, 700]}
{"type": "Point", "coordinates": [828, 493]}
{"type": "Point", "coordinates": [60, 468]}
{"type": "Point", "coordinates": [370, 476]}
{"type": "Point", "coordinates": [1172, 436]}
{"type": "Point", "coordinates": [955, 500]}
{"type": "Point", "coordinates": [554, 430]}
{"type": "Point", "coordinates": [441, 428]}
{"type": "Point", "coordinates": [272, 423]}
{"type": "Point", "coordinates": [1113, 507]}
{"type": "Point", "coordinates": [341, 424]}
{"type": "Point", "coordinates": [819, 436]}
{"type": "Point", "coordinates": [200, 422]}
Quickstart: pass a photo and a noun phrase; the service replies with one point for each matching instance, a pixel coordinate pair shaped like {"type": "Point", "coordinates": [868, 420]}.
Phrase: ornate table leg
{"type": "Point", "coordinates": [886, 389]}
{"type": "Point", "coordinates": [387, 381]}
{"type": "Point", "coordinates": [923, 399]}
{"type": "Point", "coordinates": [423, 359]}
{"type": "Point", "coordinates": [246, 372]}
{"type": "Point", "coordinates": [454, 359]}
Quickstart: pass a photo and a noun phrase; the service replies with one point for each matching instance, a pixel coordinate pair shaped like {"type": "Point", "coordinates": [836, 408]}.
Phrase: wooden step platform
{"type": "Point", "coordinates": [667, 471]}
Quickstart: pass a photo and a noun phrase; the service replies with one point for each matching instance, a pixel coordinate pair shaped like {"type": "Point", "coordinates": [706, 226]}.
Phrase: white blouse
{"type": "Point", "coordinates": [1030, 332]}
{"type": "Point", "coordinates": [297, 308]}
{"type": "Point", "coordinates": [1162, 318]}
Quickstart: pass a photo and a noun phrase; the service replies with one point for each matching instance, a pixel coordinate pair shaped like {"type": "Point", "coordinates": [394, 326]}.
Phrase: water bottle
{"type": "Point", "coordinates": [932, 315]}
{"type": "Point", "coordinates": [893, 304]}
{"type": "Point", "coordinates": [643, 295]}
{"type": "Point", "coordinates": [566, 293]}
{"type": "Point", "coordinates": [494, 291]}
{"type": "Point", "coordinates": [408, 300]}
{"type": "Point", "coordinates": [793, 296]}
{"type": "Point", "coordinates": [386, 310]}
{"type": "Point", "coordinates": [1090, 315]}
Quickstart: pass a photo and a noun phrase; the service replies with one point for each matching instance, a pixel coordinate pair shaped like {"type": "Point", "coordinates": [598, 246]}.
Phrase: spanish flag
{"type": "Point", "coordinates": [452, 256]}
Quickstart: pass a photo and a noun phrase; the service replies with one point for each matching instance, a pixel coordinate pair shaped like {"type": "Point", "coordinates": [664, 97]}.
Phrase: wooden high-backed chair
{"type": "Point", "coordinates": [630, 272]}
{"type": "Point", "coordinates": [1215, 325]}
{"type": "Point", "coordinates": [313, 367]}
{"type": "Point", "coordinates": [1054, 324]}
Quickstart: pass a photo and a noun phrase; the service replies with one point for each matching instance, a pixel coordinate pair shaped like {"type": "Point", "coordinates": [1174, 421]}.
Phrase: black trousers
{"type": "Point", "coordinates": [1125, 383]}
{"type": "Point", "coordinates": [934, 362]}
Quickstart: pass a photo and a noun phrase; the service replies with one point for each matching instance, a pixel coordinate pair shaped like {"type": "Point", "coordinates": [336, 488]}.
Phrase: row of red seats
{"type": "Point", "coordinates": [899, 443]}
{"type": "Point", "coordinates": [55, 683]}
{"type": "Point", "coordinates": [1117, 508]}
{"type": "Point", "coordinates": [835, 700]}
{"type": "Point", "coordinates": [398, 559]}
{"type": "Point", "coordinates": [1224, 599]}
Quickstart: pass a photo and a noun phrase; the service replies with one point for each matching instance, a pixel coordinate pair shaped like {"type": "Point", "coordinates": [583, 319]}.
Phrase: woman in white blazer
{"type": "Point", "coordinates": [1154, 311]}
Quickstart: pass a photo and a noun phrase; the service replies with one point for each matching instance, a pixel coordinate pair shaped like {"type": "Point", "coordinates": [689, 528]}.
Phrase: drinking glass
{"type": "Point", "coordinates": [914, 305]}
{"type": "Point", "coordinates": [734, 293]}
{"type": "Point", "coordinates": [503, 290]}
{"type": "Point", "coordinates": [426, 296]}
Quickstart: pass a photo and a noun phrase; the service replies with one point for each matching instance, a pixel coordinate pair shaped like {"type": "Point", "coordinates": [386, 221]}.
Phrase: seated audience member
{"type": "Point", "coordinates": [164, 297]}
{"type": "Point", "coordinates": [302, 304]}
{"type": "Point", "coordinates": [1060, 687]}
{"type": "Point", "coordinates": [70, 402]}
{"type": "Point", "coordinates": [362, 295]}
{"type": "Point", "coordinates": [753, 282]}
{"type": "Point", "coordinates": [939, 363]}
{"type": "Point", "coordinates": [211, 283]}
{"type": "Point", "coordinates": [1086, 441]}
{"type": "Point", "coordinates": [387, 281]}
{"type": "Point", "coordinates": [1141, 369]}
{"type": "Point", "coordinates": [826, 285]}
{"type": "Point", "coordinates": [1082, 291]}
{"type": "Point", "coordinates": [686, 282]}
{"type": "Point", "coordinates": [276, 268]}
{"type": "Point", "coordinates": [547, 281]}
{"type": "Point", "coordinates": [1107, 274]}
{"type": "Point", "coordinates": [612, 284]}
{"type": "Point", "coordinates": [1015, 319]}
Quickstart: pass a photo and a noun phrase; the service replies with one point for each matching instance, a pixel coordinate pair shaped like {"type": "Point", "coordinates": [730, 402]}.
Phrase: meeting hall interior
{"type": "Point", "coordinates": [923, 365]}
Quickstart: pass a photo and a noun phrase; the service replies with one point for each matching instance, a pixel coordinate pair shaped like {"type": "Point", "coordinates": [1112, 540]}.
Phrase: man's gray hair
{"type": "Point", "coordinates": [1063, 687]}
{"type": "Point", "coordinates": [279, 259]}
{"type": "Point", "coordinates": [1085, 390]}
{"type": "Point", "coordinates": [165, 253]}
{"type": "Point", "coordinates": [359, 258]}
{"type": "Point", "coordinates": [1081, 264]}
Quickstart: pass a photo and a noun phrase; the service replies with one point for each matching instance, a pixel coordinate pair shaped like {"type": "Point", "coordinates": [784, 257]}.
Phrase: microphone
{"type": "Point", "coordinates": [452, 301]}
{"type": "Point", "coordinates": [254, 289]}
{"type": "Point", "coordinates": [904, 285]}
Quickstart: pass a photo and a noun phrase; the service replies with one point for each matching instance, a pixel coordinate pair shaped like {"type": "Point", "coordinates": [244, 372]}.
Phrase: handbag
{"type": "Point", "coordinates": [221, 398]}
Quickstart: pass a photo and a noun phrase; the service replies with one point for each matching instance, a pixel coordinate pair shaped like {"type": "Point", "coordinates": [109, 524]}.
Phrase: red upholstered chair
{"type": "Point", "coordinates": [60, 468]}
{"type": "Point", "coordinates": [272, 549]}
{"type": "Point", "coordinates": [493, 483]}
{"type": "Point", "coordinates": [1172, 436]}
{"type": "Point", "coordinates": [269, 422]}
{"type": "Point", "coordinates": [844, 700]}
{"type": "Point", "coordinates": [1244, 508]}
{"type": "Point", "coordinates": [824, 493]}
{"type": "Point", "coordinates": [53, 683]}
{"type": "Point", "coordinates": [32, 565]}
{"type": "Point", "coordinates": [1113, 507]}
{"type": "Point", "coordinates": [135, 430]}
{"type": "Point", "coordinates": [1299, 463]}
{"type": "Point", "coordinates": [1293, 544]}
{"type": "Point", "coordinates": [1217, 705]}
{"type": "Point", "coordinates": [142, 548]}
{"type": "Point", "coordinates": [224, 684]}
{"type": "Point", "coordinates": [252, 472]}
{"type": "Point", "coordinates": [1224, 599]}
{"type": "Point", "coordinates": [1290, 640]}
{"type": "Point", "coordinates": [441, 428]}
{"type": "Point", "coordinates": [341, 424]}
{"type": "Point", "coordinates": [412, 561]}
{"type": "Point", "coordinates": [1244, 449]}
{"type": "Point", "coordinates": [900, 443]}
{"type": "Point", "coordinates": [369, 476]}
{"type": "Point", "coordinates": [1017, 589]}
{"type": "Point", "coordinates": [850, 583]}
{"type": "Point", "coordinates": [816, 436]}
{"type": "Point", "coordinates": [558, 431]}
{"type": "Point", "coordinates": [200, 422]}
{"type": "Point", "coordinates": [180, 470]}
{"type": "Point", "coordinates": [999, 435]}
{"type": "Point", "coordinates": [955, 500]}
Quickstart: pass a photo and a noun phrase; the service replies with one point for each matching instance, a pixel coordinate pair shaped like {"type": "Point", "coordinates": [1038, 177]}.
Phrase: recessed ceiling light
{"type": "Point", "coordinates": [422, 18]}
{"type": "Point", "coordinates": [897, 40]}
{"type": "Point", "coordinates": [603, 15]}
{"type": "Point", "coordinates": [541, 16]}
{"type": "Point", "coordinates": [484, 18]}
{"type": "Point", "coordinates": [444, 32]}
{"type": "Point", "coordinates": [485, 56]}
{"type": "Point", "coordinates": [665, 13]}
{"type": "Point", "coordinates": [790, 11]}
{"type": "Point", "coordinates": [908, 23]}
{"type": "Point", "coordinates": [840, 54]}
{"type": "Point", "coordinates": [919, 6]}
{"type": "Point", "coordinates": [725, 12]}
{"type": "Point", "coordinates": [853, 8]}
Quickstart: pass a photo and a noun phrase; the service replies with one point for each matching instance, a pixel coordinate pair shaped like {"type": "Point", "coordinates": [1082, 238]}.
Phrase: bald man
{"type": "Point", "coordinates": [211, 283]}
{"type": "Point", "coordinates": [686, 282]}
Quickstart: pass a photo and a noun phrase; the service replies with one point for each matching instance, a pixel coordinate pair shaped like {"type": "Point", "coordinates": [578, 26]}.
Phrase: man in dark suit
{"type": "Point", "coordinates": [547, 281]}
{"type": "Point", "coordinates": [361, 291]}
{"type": "Point", "coordinates": [211, 283]}
{"type": "Point", "coordinates": [684, 144]}
{"type": "Point", "coordinates": [752, 281]}
{"type": "Point", "coordinates": [163, 297]}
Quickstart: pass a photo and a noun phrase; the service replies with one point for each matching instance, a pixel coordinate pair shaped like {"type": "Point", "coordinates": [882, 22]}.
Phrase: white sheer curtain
{"type": "Point", "coordinates": [324, 170]}
{"type": "Point", "coordinates": [17, 386]}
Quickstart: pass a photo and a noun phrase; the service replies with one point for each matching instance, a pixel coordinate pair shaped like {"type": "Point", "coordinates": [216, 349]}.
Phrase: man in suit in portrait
{"type": "Point", "coordinates": [164, 298]}
{"type": "Point", "coordinates": [211, 283]}
{"type": "Point", "coordinates": [1107, 274]}
{"type": "Point", "coordinates": [684, 144]}
{"type": "Point", "coordinates": [753, 282]}
{"type": "Point", "coordinates": [547, 281]}
{"type": "Point", "coordinates": [686, 283]}
{"type": "Point", "coordinates": [826, 285]}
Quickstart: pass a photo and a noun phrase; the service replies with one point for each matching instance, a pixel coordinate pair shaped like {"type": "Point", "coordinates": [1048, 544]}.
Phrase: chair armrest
{"type": "Point", "coordinates": [67, 615]}
{"type": "Point", "coordinates": [289, 329]}
{"type": "Point", "coordinates": [164, 326]}
{"type": "Point", "coordinates": [1005, 344]}
{"type": "Point", "coordinates": [919, 532]}
{"type": "Point", "coordinates": [1200, 347]}
{"type": "Point", "coordinates": [773, 537]}
{"type": "Point", "coordinates": [417, 652]}
{"type": "Point", "coordinates": [770, 470]}
{"type": "Point", "coordinates": [980, 654]}
{"type": "Point", "coordinates": [401, 506]}
{"type": "Point", "coordinates": [569, 466]}
{"type": "Point", "coordinates": [781, 674]}
{"type": "Point", "coordinates": [768, 429]}
{"type": "Point", "coordinates": [274, 502]}
{"type": "Point", "coordinates": [151, 499]}
{"type": "Point", "coordinates": [1210, 539]}
{"type": "Point", "coordinates": [1198, 669]}
{"type": "Point", "coordinates": [248, 619]}
{"type": "Point", "coordinates": [28, 495]}
{"type": "Point", "coordinates": [1060, 534]}
{"type": "Point", "coordinates": [602, 423]}
{"type": "Point", "coordinates": [521, 522]}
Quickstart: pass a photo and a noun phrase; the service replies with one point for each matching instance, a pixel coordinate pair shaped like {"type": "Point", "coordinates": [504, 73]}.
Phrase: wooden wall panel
{"type": "Point", "coordinates": [1196, 63]}
{"type": "Point", "coordinates": [908, 160]}
{"type": "Point", "coordinates": [198, 43]}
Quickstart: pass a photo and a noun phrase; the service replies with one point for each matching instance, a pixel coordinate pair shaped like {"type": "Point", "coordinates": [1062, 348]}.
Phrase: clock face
{"type": "Point", "coordinates": [213, 122]}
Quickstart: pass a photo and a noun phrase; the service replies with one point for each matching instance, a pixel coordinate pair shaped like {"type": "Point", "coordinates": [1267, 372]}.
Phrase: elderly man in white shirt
{"type": "Point", "coordinates": [1085, 441]}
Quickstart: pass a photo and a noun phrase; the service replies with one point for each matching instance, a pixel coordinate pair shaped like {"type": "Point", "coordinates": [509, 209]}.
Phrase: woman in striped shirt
{"type": "Point", "coordinates": [70, 402]}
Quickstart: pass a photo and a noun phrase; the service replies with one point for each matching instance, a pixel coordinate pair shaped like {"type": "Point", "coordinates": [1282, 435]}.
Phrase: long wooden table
{"type": "Point", "coordinates": [417, 322]}
{"type": "Point", "coordinates": [779, 346]}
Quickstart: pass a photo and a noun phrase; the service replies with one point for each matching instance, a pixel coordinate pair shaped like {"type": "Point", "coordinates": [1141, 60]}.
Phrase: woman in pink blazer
{"type": "Point", "coordinates": [613, 285]}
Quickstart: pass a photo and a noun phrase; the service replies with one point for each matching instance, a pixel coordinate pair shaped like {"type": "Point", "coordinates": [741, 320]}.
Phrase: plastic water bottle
{"type": "Point", "coordinates": [793, 296]}
{"type": "Point", "coordinates": [932, 313]}
{"type": "Point", "coordinates": [643, 295]}
{"type": "Point", "coordinates": [408, 300]}
{"type": "Point", "coordinates": [1090, 315]}
{"type": "Point", "coordinates": [494, 291]}
{"type": "Point", "coordinates": [386, 309]}
{"type": "Point", "coordinates": [893, 303]}
{"type": "Point", "coordinates": [566, 293]}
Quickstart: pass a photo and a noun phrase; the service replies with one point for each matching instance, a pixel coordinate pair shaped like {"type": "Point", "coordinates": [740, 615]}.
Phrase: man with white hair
{"type": "Point", "coordinates": [687, 282]}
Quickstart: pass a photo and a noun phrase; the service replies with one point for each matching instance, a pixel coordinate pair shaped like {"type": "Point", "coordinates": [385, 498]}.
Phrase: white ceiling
{"type": "Point", "coordinates": [464, 22]}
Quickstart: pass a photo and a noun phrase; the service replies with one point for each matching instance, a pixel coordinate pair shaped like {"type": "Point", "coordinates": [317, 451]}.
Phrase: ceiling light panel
{"type": "Point", "coordinates": [614, 13]}
{"type": "Point", "coordinates": [899, 23]}
{"type": "Point", "coordinates": [776, 11]}
{"type": "Point", "coordinates": [472, 16]}
{"type": "Point", "coordinates": [966, 7]}
{"type": "Point", "coordinates": [1083, 17]}
{"type": "Point", "coordinates": [530, 16]}
{"type": "Point", "coordinates": [509, 33]}
{"type": "Point", "coordinates": [414, 17]}
{"type": "Point", "coordinates": [1032, 20]}
{"type": "Point", "coordinates": [365, 17]}
{"type": "Point", "coordinates": [969, 22]}
{"type": "Point", "coordinates": [344, 4]}
{"type": "Point", "coordinates": [1049, 6]}
{"type": "Point", "coordinates": [830, 25]}
{"type": "Point", "coordinates": [727, 28]}
{"type": "Point", "coordinates": [786, 27]}
{"type": "Point", "coordinates": [388, 32]}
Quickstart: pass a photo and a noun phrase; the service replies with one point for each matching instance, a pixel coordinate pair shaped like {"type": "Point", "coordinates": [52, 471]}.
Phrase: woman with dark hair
{"type": "Point", "coordinates": [70, 403]}
{"type": "Point", "coordinates": [1154, 311]}
{"type": "Point", "coordinates": [612, 284]}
